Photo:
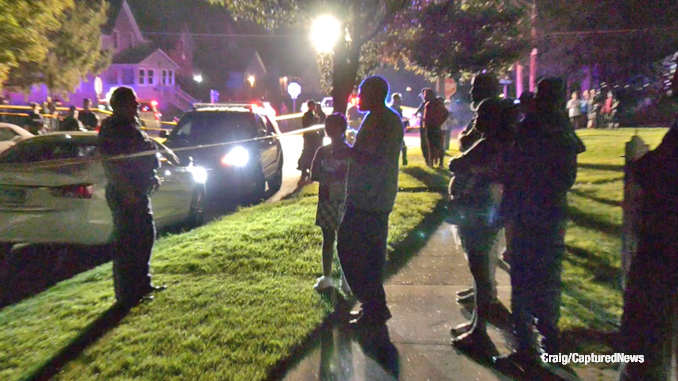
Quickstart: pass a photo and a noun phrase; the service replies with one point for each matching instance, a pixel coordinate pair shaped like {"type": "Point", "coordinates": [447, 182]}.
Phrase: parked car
{"type": "Point", "coordinates": [327, 105]}
{"type": "Point", "coordinates": [238, 145]}
{"type": "Point", "coordinates": [149, 114]}
{"type": "Point", "coordinates": [67, 203]}
{"type": "Point", "coordinates": [11, 134]}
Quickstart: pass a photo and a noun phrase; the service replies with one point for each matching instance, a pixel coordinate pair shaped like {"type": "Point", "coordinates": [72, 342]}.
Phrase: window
{"type": "Point", "coordinates": [131, 40]}
{"type": "Point", "coordinates": [151, 79]}
{"type": "Point", "coordinates": [142, 76]}
{"type": "Point", "coordinates": [261, 127]}
{"type": "Point", "coordinates": [114, 37]}
{"type": "Point", "coordinates": [170, 78]}
{"type": "Point", "coordinates": [7, 134]}
{"type": "Point", "coordinates": [127, 76]}
{"type": "Point", "coordinates": [164, 77]}
{"type": "Point", "coordinates": [112, 77]}
{"type": "Point", "coordinates": [30, 151]}
{"type": "Point", "coordinates": [217, 127]}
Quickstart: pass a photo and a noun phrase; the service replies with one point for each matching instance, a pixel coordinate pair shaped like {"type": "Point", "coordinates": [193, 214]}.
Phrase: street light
{"type": "Point", "coordinates": [250, 79]}
{"type": "Point", "coordinates": [197, 78]}
{"type": "Point", "coordinates": [325, 33]}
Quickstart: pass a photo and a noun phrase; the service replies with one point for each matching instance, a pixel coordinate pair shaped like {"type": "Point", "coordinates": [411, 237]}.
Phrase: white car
{"type": "Point", "coordinates": [67, 203]}
{"type": "Point", "coordinates": [11, 134]}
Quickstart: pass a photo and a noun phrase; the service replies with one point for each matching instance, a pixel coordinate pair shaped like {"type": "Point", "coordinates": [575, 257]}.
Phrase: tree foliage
{"type": "Point", "coordinates": [25, 29]}
{"type": "Point", "coordinates": [450, 37]}
{"type": "Point", "coordinates": [621, 39]}
{"type": "Point", "coordinates": [74, 50]}
{"type": "Point", "coordinates": [362, 21]}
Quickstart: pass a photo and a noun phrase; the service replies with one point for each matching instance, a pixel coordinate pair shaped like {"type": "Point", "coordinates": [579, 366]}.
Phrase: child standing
{"type": "Point", "coordinates": [329, 168]}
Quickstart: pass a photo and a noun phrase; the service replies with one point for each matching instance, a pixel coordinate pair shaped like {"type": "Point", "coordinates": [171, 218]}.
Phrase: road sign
{"type": "Point", "coordinates": [450, 87]}
{"type": "Point", "coordinates": [294, 89]}
{"type": "Point", "coordinates": [98, 86]}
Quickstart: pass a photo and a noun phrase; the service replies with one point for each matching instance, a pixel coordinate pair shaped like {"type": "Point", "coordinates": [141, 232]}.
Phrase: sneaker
{"type": "Point", "coordinates": [323, 283]}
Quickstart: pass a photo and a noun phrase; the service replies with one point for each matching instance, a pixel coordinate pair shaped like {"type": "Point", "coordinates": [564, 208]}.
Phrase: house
{"type": "Point", "coordinates": [138, 63]}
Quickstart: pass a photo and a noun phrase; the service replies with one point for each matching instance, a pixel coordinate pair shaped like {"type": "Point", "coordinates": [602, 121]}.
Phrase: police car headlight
{"type": "Point", "coordinates": [236, 157]}
{"type": "Point", "coordinates": [199, 174]}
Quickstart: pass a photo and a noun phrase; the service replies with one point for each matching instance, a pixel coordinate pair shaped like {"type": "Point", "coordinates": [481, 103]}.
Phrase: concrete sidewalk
{"type": "Point", "coordinates": [422, 300]}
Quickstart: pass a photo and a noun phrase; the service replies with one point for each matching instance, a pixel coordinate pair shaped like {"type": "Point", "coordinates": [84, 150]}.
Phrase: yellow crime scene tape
{"type": "Point", "coordinates": [48, 164]}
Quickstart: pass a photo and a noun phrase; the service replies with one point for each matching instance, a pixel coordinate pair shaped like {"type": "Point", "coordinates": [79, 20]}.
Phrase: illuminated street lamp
{"type": "Point", "coordinates": [250, 79]}
{"type": "Point", "coordinates": [197, 78]}
{"type": "Point", "coordinates": [325, 33]}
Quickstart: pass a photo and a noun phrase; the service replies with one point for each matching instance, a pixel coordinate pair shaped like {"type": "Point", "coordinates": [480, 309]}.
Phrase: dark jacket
{"type": "Point", "coordinates": [657, 174]}
{"type": "Point", "coordinates": [539, 170]}
{"type": "Point", "coordinates": [119, 136]}
{"type": "Point", "coordinates": [89, 119]}
{"type": "Point", "coordinates": [71, 124]}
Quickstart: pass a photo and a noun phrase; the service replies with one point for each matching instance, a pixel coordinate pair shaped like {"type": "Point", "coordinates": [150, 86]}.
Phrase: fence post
{"type": "Point", "coordinates": [635, 149]}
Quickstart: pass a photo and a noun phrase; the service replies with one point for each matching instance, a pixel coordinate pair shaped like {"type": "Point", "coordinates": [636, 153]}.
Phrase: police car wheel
{"type": "Point", "coordinates": [196, 216]}
{"type": "Point", "coordinates": [276, 182]}
{"type": "Point", "coordinates": [258, 188]}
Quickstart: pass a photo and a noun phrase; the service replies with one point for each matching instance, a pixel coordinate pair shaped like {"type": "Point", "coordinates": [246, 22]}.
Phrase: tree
{"type": "Point", "coordinates": [362, 21]}
{"type": "Point", "coordinates": [25, 27]}
{"type": "Point", "coordinates": [621, 39]}
{"type": "Point", "coordinates": [74, 50]}
{"type": "Point", "coordinates": [451, 37]}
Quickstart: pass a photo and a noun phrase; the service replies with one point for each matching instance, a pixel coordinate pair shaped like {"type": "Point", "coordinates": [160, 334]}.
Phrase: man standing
{"type": "Point", "coordinates": [573, 109]}
{"type": "Point", "coordinates": [483, 144]}
{"type": "Point", "coordinates": [320, 113]}
{"type": "Point", "coordinates": [538, 172]}
{"type": "Point", "coordinates": [312, 141]}
{"type": "Point", "coordinates": [130, 181]}
{"type": "Point", "coordinates": [422, 133]}
{"type": "Point", "coordinates": [371, 193]}
{"type": "Point", "coordinates": [435, 114]}
{"type": "Point", "coordinates": [71, 122]}
{"type": "Point", "coordinates": [397, 106]}
{"type": "Point", "coordinates": [36, 122]}
{"type": "Point", "coordinates": [89, 119]}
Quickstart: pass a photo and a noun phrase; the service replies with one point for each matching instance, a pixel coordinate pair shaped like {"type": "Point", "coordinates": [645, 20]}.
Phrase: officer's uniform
{"type": "Point", "coordinates": [129, 184]}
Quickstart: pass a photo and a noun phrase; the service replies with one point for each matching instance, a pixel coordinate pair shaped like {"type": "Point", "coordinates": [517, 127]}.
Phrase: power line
{"type": "Point", "coordinates": [224, 35]}
{"type": "Point", "coordinates": [610, 31]}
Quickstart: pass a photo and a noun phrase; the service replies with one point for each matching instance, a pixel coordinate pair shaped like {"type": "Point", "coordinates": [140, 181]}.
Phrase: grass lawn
{"type": "Point", "coordinates": [592, 296]}
{"type": "Point", "coordinates": [240, 299]}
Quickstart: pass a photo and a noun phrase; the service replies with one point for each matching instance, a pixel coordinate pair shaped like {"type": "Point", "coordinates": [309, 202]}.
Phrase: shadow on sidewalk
{"type": "Point", "coordinates": [95, 330]}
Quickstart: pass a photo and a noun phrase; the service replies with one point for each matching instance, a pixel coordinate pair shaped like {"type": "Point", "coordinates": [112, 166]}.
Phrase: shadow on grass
{"type": "Point", "coordinates": [601, 271]}
{"type": "Point", "coordinates": [32, 269]}
{"type": "Point", "coordinates": [95, 330]}
{"type": "Point", "coordinates": [434, 180]}
{"type": "Point", "coordinates": [585, 340]}
{"type": "Point", "coordinates": [588, 196]}
{"type": "Point", "coordinates": [585, 220]}
{"type": "Point", "coordinates": [602, 167]}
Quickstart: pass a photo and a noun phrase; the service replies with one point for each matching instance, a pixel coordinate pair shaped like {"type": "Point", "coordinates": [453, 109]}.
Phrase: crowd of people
{"type": "Point", "coordinates": [592, 110]}
{"type": "Point", "coordinates": [46, 118]}
{"type": "Point", "coordinates": [514, 173]}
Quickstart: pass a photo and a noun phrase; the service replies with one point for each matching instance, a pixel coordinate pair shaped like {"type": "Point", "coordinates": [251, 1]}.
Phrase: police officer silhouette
{"type": "Point", "coordinates": [130, 181]}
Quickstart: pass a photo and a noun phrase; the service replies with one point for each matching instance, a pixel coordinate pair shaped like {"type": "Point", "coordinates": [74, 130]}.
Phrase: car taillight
{"type": "Point", "coordinates": [73, 191]}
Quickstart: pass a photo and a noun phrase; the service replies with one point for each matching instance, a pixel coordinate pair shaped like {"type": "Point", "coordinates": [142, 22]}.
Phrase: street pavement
{"type": "Point", "coordinates": [422, 301]}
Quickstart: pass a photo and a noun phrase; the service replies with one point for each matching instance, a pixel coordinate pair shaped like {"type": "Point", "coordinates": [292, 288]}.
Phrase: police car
{"type": "Point", "coordinates": [237, 143]}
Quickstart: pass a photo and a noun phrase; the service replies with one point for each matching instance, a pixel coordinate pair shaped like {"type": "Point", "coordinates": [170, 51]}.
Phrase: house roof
{"type": "Point", "coordinates": [135, 55]}
{"type": "Point", "coordinates": [114, 13]}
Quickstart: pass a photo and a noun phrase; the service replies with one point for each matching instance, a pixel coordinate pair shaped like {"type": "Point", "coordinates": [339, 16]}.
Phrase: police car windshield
{"type": "Point", "coordinates": [214, 127]}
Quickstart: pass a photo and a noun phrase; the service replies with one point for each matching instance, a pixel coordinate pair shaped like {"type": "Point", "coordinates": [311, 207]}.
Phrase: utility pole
{"type": "Point", "coordinates": [533, 54]}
